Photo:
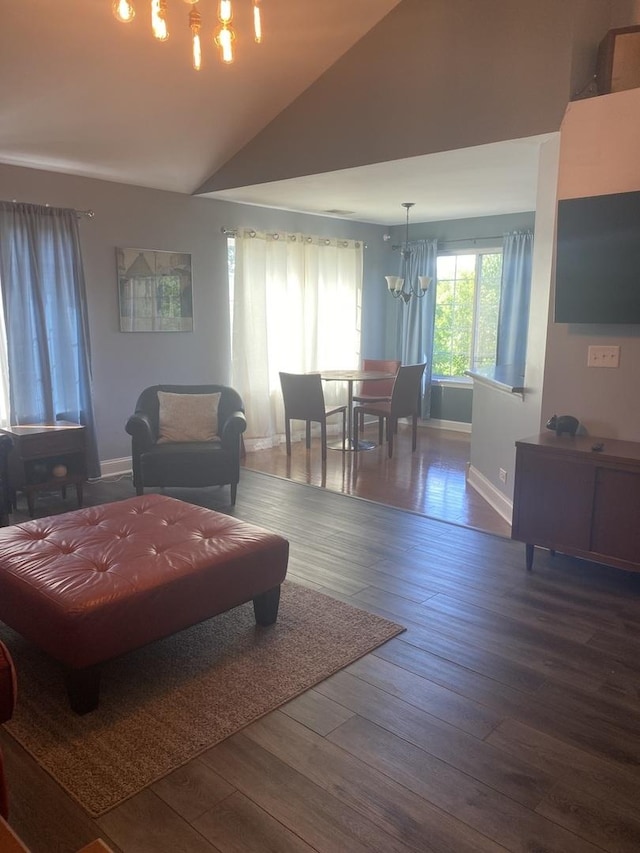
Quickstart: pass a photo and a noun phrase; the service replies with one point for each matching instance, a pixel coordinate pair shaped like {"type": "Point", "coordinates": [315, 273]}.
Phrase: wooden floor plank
{"type": "Point", "coordinates": [441, 741]}
{"type": "Point", "coordinates": [192, 789]}
{"type": "Point", "coordinates": [237, 825]}
{"type": "Point", "coordinates": [382, 800]}
{"type": "Point", "coordinates": [486, 810]}
{"type": "Point", "coordinates": [145, 823]}
{"type": "Point", "coordinates": [324, 820]}
{"type": "Point", "coordinates": [598, 776]}
{"type": "Point", "coordinates": [591, 817]}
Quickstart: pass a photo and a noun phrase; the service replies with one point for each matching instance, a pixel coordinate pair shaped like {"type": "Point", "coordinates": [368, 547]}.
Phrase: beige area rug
{"type": "Point", "coordinates": [162, 705]}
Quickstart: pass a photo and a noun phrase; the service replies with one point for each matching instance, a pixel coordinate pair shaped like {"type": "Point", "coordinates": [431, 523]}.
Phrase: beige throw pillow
{"type": "Point", "coordinates": [188, 417]}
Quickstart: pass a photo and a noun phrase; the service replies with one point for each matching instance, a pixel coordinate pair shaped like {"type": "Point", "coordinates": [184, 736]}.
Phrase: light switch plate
{"type": "Point", "coordinates": [603, 356]}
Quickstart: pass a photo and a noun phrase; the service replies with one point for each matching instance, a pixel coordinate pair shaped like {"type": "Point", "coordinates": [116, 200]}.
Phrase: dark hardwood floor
{"type": "Point", "coordinates": [504, 718]}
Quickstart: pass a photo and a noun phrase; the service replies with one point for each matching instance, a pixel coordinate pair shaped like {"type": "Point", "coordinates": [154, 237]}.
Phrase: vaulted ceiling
{"type": "Point", "coordinates": [346, 108]}
{"type": "Point", "coordinates": [84, 94]}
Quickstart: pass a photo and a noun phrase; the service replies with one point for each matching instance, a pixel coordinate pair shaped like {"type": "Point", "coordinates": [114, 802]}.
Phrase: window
{"type": "Point", "coordinates": [467, 308]}
{"type": "Point", "coordinates": [295, 307]}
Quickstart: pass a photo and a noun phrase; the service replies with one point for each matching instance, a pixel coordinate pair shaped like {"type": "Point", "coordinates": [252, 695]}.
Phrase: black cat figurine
{"type": "Point", "coordinates": [563, 423]}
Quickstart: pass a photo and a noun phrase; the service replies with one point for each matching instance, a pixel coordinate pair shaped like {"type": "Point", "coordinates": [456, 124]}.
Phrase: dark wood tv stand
{"type": "Point", "coordinates": [571, 498]}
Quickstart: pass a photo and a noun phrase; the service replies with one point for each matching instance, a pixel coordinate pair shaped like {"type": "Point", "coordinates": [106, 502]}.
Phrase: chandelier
{"type": "Point", "coordinates": [399, 288]}
{"type": "Point", "coordinates": [223, 35]}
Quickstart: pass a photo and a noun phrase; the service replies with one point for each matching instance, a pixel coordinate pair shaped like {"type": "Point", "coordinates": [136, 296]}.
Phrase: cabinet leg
{"type": "Point", "coordinates": [31, 504]}
{"type": "Point", "coordinates": [529, 556]}
{"type": "Point", "coordinates": [79, 492]}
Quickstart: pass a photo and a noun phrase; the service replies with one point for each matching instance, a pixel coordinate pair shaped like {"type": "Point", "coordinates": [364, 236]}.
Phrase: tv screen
{"type": "Point", "coordinates": [598, 259]}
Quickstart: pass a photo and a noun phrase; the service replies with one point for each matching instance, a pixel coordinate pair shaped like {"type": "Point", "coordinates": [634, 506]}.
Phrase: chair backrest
{"type": "Point", "coordinates": [303, 396]}
{"type": "Point", "coordinates": [379, 387]}
{"type": "Point", "coordinates": [405, 398]}
{"type": "Point", "coordinates": [230, 400]}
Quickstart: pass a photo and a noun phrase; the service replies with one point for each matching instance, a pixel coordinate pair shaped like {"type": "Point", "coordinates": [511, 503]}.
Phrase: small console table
{"type": "Point", "coordinates": [46, 458]}
{"type": "Point", "coordinates": [579, 495]}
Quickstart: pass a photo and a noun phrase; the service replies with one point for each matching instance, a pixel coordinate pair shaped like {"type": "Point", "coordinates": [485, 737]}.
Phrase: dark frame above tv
{"type": "Point", "coordinates": [598, 259]}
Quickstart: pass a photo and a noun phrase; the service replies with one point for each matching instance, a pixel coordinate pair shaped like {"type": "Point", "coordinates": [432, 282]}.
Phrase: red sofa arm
{"type": "Point", "coordinates": [8, 692]}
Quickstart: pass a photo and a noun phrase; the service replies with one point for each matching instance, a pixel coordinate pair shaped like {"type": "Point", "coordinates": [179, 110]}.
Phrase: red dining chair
{"type": "Point", "coordinates": [376, 390]}
{"type": "Point", "coordinates": [404, 403]}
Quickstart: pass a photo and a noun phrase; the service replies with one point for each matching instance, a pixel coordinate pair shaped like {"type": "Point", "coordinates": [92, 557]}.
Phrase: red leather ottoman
{"type": "Point", "coordinates": [88, 585]}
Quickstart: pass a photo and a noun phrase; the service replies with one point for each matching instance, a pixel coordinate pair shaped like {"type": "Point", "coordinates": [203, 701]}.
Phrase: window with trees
{"type": "Point", "coordinates": [467, 308]}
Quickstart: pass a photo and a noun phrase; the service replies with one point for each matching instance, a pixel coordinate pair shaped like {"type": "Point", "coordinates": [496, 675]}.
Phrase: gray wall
{"type": "Point", "coordinates": [433, 75]}
{"type": "Point", "coordinates": [126, 216]}
{"type": "Point", "coordinates": [598, 155]}
{"type": "Point", "coordinates": [499, 418]}
{"type": "Point", "coordinates": [449, 403]}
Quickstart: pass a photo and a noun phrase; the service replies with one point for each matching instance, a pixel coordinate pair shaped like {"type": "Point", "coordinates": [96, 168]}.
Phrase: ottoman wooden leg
{"type": "Point", "coordinates": [265, 606]}
{"type": "Point", "coordinates": [83, 689]}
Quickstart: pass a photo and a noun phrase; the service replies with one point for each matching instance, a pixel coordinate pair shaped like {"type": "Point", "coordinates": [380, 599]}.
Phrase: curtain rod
{"type": "Point", "coordinates": [488, 237]}
{"type": "Point", "coordinates": [471, 239]}
{"type": "Point", "coordinates": [88, 213]}
{"type": "Point", "coordinates": [233, 232]}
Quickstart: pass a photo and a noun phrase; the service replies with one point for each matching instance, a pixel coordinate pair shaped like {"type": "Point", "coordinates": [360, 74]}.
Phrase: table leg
{"type": "Point", "coordinates": [351, 442]}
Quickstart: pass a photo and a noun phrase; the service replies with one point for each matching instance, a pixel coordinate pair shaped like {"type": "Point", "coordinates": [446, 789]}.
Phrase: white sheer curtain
{"type": "Point", "coordinates": [296, 308]}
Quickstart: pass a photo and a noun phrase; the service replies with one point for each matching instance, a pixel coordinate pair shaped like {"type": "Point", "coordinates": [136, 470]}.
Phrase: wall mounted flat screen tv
{"type": "Point", "coordinates": [598, 259]}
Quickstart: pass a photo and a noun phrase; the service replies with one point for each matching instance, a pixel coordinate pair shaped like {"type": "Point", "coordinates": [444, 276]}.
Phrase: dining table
{"type": "Point", "coordinates": [352, 442]}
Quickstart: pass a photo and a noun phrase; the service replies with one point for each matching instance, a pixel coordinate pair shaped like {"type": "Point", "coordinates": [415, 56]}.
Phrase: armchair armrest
{"type": "Point", "coordinates": [232, 429]}
{"type": "Point", "coordinates": [139, 428]}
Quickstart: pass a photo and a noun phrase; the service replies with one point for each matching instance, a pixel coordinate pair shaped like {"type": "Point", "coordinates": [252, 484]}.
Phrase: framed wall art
{"type": "Point", "coordinates": [154, 291]}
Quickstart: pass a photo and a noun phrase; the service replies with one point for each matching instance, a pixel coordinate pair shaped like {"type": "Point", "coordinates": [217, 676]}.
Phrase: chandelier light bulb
{"type": "Point", "coordinates": [225, 12]}
{"type": "Point", "coordinates": [195, 24]}
{"type": "Point", "coordinates": [159, 20]}
{"type": "Point", "coordinates": [224, 40]}
{"type": "Point", "coordinates": [197, 52]}
{"type": "Point", "coordinates": [123, 11]}
{"type": "Point", "coordinates": [257, 22]}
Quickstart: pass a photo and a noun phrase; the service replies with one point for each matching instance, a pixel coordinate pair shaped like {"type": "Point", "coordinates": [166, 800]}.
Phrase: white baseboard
{"type": "Point", "coordinates": [431, 423]}
{"type": "Point", "coordinates": [493, 496]}
{"type": "Point", "coordinates": [115, 467]}
{"type": "Point", "coordinates": [455, 426]}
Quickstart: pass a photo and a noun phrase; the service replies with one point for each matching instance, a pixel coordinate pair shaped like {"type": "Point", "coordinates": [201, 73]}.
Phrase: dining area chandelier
{"type": "Point", "coordinates": [223, 35]}
{"type": "Point", "coordinates": [400, 286]}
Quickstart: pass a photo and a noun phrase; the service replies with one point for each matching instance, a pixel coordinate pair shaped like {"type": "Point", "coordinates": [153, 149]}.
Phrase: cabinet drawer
{"type": "Point", "coordinates": [51, 444]}
{"type": "Point", "coordinates": [616, 523]}
{"type": "Point", "coordinates": [553, 501]}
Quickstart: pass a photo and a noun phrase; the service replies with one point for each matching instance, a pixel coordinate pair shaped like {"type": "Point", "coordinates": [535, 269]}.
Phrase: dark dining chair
{"type": "Point", "coordinates": [404, 403]}
{"type": "Point", "coordinates": [304, 401]}
{"type": "Point", "coordinates": [376, 390]}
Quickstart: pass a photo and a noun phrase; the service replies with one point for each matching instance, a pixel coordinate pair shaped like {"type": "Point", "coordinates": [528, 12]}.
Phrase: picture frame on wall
{"type": "Point", "coordinates": [155, 290]}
